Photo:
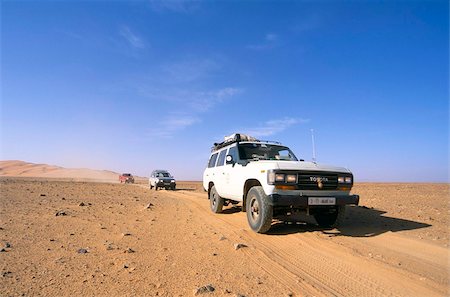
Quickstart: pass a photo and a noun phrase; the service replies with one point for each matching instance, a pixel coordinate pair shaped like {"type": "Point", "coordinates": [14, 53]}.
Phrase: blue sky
{"type": "Point", "coordinates": [140, 85]}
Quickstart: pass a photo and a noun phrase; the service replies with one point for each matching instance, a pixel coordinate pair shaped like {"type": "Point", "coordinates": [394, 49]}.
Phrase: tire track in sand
{"type": "Point", "coordinates": [308, 264]}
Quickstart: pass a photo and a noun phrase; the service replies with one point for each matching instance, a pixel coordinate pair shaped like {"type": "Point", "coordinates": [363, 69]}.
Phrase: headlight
{"type": "Point", "coordinates": [344, 179]}
{"type": "Point", "coordinates": [279, 177]}
{"type": "Point", "coordinates": [172, 181]}
{"type": "Point", "coordinates": [291, 178]}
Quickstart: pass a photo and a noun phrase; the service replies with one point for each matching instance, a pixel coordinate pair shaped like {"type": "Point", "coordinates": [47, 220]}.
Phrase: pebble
{"type": "Point", "coordinates": [239, 246]}
{"type": "Point", "coordinates": [6, 273]}
{"type": "Point", "coordinates": [81, 204]}
{"type": "Point", "coordinates": [126, 234]}
{"type": "Point", "coordinates": [129, 250]}
{"type": "Point", "coordinates": [149, 206]}
{"type": "Point", "coordinates": [61, 213]}
{"type": "Point", "coordinates": [7, 245]}
{"type": "Point", "coordinates": [222, 238]}
{"type": "Point", "coordinates": [82, 251]}
{"type": "Point", "coordinates": [204, 289]}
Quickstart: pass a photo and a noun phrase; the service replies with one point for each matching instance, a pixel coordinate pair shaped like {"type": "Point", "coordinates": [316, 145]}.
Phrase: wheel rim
{"type": "Point", "coordinates": [254, 209]}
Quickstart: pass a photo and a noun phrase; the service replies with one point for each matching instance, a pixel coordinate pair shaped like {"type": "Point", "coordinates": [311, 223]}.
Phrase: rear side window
{"type": "Point", "coordinates": [212, 160]}
{"type": "Point", "coordinates": [221, 160]}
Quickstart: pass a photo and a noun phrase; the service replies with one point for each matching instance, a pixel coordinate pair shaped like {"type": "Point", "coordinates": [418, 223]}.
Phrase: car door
{"type": "Point", "coordinates": [234, 179]}
{"type": "Point", "coordinates": [219, 171]}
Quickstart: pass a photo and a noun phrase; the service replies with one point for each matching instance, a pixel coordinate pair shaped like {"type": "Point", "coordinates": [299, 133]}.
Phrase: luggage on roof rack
{"type": "Point", "coordinates": [236, 137]}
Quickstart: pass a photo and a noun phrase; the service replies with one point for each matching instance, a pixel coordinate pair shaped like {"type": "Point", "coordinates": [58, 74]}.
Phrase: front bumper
{"type": "Point", "coordinates": [165, 184]}
{"type": "Point", "coordinates": [297, 201]}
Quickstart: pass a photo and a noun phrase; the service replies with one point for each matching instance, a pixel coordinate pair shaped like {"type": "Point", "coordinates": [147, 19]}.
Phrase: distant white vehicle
{"type": "Point", "coordinates": [161, 179]}
{"type": "Point", "coordinates": [271, 183]}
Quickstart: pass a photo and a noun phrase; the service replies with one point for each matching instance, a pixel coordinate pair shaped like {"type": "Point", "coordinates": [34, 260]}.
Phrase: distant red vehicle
{"type": "Point", "coordinates": [126, 178]}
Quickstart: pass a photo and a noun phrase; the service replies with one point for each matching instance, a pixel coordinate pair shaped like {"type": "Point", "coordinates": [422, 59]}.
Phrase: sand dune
{"type": "Point", "coordinates": [26, 169]}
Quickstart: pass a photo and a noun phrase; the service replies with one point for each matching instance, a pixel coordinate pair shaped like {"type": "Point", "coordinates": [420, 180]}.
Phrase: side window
{"type": "Point", "coordinates": [221, 160]}
{"type": "Point", "coordinates": [234, 153]}
{"type": "Point", "coordinates": [212, 160]}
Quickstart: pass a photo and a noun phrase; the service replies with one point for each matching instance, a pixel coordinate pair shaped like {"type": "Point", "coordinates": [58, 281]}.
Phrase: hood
{"type": "Point", "coordinates": [301, 165]}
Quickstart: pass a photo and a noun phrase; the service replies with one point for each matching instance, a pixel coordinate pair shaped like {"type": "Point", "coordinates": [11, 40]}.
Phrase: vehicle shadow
{"type": "Point", "coordinates": [360, 221]}
{"type": "Point", "coordinates": [233, 209]}
{"type": "Point", "coordinates": [184, 189]}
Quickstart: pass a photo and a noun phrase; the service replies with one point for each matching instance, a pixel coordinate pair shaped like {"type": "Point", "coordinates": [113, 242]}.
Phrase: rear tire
{"type": "Point", "coordinates": [331, 220]}
{"type": "Point", "coordinates": [259, 211]}
{"type": "Point", "coordinates": [215, 201]}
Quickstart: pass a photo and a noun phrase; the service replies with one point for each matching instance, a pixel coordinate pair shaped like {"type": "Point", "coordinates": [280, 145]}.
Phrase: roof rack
{"type": "Point", "coordinates": [238, 137]}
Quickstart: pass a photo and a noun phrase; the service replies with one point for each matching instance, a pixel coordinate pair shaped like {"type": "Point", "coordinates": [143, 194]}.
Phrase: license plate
{"type": "Point", "coordinates": [321, 201]}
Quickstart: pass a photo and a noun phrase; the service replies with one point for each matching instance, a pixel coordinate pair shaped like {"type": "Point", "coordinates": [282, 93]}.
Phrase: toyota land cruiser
{"type": "Point", "coordinates": [272, 183]}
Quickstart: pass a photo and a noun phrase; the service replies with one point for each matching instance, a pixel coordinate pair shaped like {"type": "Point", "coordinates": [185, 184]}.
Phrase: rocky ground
{"type": "Point", "coordinates": [70, 238]}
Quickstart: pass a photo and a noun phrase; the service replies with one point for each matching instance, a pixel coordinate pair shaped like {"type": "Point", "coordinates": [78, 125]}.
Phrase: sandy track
{"type": "Point", "coordinates": [177, 245]}
{"type": "Point", "coordinates": [321, 264]}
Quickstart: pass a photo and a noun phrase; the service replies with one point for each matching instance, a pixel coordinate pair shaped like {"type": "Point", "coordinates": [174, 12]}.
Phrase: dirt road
{"type": "Point", "coordinates": [168, 243]}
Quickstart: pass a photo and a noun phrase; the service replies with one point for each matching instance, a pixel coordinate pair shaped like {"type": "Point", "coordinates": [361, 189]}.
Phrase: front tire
{"type": "Point", "coordinates": [215, 201]}
{"type": "Point", "coordinates": [331, 220]}
{"type": "Point", "coordinates": [259, 211]}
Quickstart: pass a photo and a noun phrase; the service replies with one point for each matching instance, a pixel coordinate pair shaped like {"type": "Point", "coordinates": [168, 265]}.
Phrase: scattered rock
{"type": "Point", "coordinates": [43, 195]}
{"type": "Point", "coordinates": [126, 234]}
{"type": "Point", "coordinates": [82, 251]}
{"type": "Point", "coordinates": [61, 213]}
{"type": "Point", "coordinates": [204, 289]}
{"type": "Point", "coordinates": [239, 246]}
{"type": "Point", "coordinates": [6, 273]}
{"type": "Point", "coordinates": [129, 250]}
{"type": "Point", "coordinates": [214, 254]}
{"type": "Point", "coordinates": [125, 266]}
{"type": "Point", "coordinates": [239, 295]}
{"type": "Point", "coordinates": [81, 204]}
{"type": "Point", "coordinates": [149, 206]}
{"type": "Point", "coordinates": [2, 250]}
{"type": "Point", "coordinates": [7, 245]}
{"type": "Point", "coordinates": [222, 238]}
{"type": "Point", "coordinates": [63, 198]}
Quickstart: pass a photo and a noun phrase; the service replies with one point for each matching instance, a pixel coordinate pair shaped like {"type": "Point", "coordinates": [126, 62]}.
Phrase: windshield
{"type": "Point", "coordinates": [264, 151]}
{"type": "Point", "coordinates": [162, 174]}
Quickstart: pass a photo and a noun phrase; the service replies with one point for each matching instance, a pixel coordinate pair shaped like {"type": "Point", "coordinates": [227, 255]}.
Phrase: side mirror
{"type": "Point", "coordinates": [229, 159]}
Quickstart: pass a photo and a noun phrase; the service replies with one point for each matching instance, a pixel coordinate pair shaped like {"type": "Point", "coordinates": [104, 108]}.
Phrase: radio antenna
{"type": "Point", "coordinates": [313, 147]}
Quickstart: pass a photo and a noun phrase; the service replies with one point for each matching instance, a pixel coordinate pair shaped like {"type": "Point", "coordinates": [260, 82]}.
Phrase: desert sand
{"type": "Point", "coordinates": [66, 238]}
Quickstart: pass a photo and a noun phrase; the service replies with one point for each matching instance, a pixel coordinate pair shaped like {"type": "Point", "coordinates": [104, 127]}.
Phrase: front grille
{"type": "Point", "coordinates": [309, 181]}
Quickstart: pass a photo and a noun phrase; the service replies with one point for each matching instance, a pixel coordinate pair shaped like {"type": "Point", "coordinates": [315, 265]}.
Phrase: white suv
{"type": "Point", "coordinates": [161, 179]}
{"type": "Point", "coordinates": [272, 183]}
